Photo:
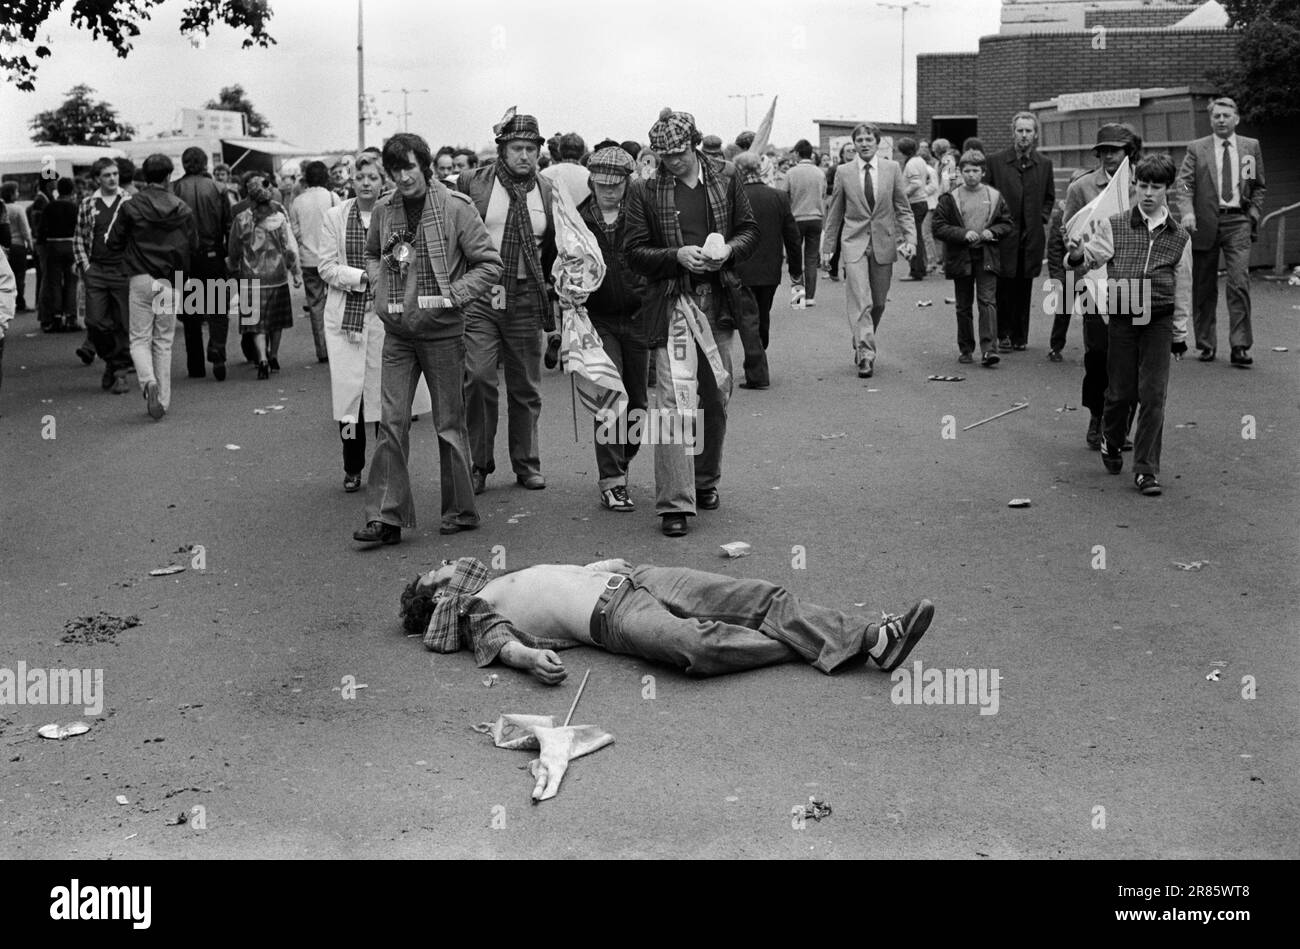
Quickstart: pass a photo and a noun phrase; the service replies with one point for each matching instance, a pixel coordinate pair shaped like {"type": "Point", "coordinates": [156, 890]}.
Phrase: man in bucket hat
{"type": "Point", "coordinates": [671, 219]}
{"type": "Point", "coordinates": [507, 325]}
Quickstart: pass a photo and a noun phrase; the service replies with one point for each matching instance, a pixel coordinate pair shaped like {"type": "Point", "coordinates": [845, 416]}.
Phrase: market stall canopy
{"type": "Point", "coordinates": [260, 154]}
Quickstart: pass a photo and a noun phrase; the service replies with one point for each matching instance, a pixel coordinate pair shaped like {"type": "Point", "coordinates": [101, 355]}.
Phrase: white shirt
{"type": "Point", "coordinates": [1232, 200]}
{"type": "Point", "coordinates": [875, 175]}
{"type": "Point", "coordinates": [307, 218]}
{"type": "Point", "coordinates": [498, 210]}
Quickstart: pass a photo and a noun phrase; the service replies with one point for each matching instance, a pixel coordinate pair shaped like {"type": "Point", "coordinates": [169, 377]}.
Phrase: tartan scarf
{"type": "Point", "coordinates": [430, 256]}
{"type": "Point", "coordinates": [518, 237]}
{"type": "Point", "coordinates": [357, 302]}
{"type": "Point", "coordinates": [666, 201]}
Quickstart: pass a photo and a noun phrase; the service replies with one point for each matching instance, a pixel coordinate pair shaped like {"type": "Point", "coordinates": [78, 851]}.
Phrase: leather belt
{"type": "Point", "coordinates": [612, 586]}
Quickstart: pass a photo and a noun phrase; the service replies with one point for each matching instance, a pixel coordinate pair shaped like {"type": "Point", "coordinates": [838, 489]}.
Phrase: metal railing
{"type": "Point", "coordinates": [1279, 263]}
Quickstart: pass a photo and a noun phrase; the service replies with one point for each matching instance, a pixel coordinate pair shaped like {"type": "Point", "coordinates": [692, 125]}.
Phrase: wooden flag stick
{"type": "Point", "coordinates": [574, 706]}
{"type": "Point", "coordinates": [1015, 408]}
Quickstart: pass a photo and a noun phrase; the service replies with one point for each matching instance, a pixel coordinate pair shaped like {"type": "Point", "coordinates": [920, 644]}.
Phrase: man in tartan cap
{"type": "Point", "coordinates": [669, 222]}
{"type": "Point", "coordinates": [507, 326]}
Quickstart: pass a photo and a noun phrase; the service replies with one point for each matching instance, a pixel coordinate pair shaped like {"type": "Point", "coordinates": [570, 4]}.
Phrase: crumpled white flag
{"type": "Point", "coordinates": [579, 269]}
{"type": "Point", "coordinates": [557, 746]}
{"type": "Point", "coordinates": [1113, 200]}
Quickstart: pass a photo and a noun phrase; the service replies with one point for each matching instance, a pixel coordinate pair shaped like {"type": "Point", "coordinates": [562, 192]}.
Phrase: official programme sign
{"type": "Point", "coordinates": [1105, 99]}
{"type": "Point", "coordinates": [212, 123]}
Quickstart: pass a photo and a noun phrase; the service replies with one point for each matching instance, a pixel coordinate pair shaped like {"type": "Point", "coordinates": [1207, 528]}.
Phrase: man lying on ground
{"type": "Point", "coordinates": [704, 623]}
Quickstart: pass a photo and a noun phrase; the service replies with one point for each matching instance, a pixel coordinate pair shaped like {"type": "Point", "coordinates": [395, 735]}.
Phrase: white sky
{"type": "Point", "coordinates": [599, 68]}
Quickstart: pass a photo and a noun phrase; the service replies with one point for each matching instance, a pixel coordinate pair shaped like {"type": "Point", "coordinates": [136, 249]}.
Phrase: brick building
{"type": "Point", "coordinates": [1049, 50]}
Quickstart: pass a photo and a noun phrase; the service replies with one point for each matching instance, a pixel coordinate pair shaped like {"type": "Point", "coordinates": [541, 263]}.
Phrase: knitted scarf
{"type": "Point", "coordinates": [666, 200]}
{"type": "Point", "coordinates": [357, 302]}
{"type": "Point", "coordinates": [430, 257]}
{"type": "Point", "coordinates": [518, 237]}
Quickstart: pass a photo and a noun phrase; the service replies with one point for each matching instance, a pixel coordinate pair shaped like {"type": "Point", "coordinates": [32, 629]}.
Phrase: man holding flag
{"type": "Point", "coordinates": [1093, 196]}
{"type": "Point", "coordinates": [686, 229]}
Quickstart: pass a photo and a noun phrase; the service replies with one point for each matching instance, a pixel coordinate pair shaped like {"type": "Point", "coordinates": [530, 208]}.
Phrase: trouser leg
{"type": "Point", "coordinates": [1122, 380]}
{"type": "Point", "coordinates": [964, 291]}
{"type": "Point", "coordinates": [1096, 350]}
{"type": "Point", "coordinates": [443, 362]}
{"type": "Point", "coordinates": [713, 404]}
{"type": "Point", "coordinates": [986, 294]}
{"type": "Point", "coordinates": [611, 428]}
{"type": "Point", "coordinates": [523, 370]}
{"type": "Point", "coordinates": [674, 464]}
{"type": "Point", "coordinates": [388, 489]}
{"type": "Point", "coordinates": [1152, 386]}
{"type": "Point", "coordinates": [763, 296]}
{"type": "Point", "coordinates": [315, 290]}
{"type": "Point", "coordinates": [917, 266]}
{"type": "Point", "coordinates": [353, 436]}
{"type": "Point", "coordinates": [1205, 297]}
{"type": "Point", "coordinates": [483, 343]}
{"type": "Point", "coordinates": [1234, 238]}
{"type": "Point", "coordinates": [811, 232]}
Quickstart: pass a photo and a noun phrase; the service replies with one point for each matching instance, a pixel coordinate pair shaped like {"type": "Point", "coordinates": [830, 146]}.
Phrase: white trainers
{"type": "Point", "coordinates": [902, 633]}
{"type": "Point", "coordinates": [616, 499]}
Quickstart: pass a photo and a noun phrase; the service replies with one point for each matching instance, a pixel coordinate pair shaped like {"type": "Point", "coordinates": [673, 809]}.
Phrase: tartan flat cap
{"type": "Point", "coordinates": [609, 166]}
{"type": "Point", "coordinates": [520, 127]}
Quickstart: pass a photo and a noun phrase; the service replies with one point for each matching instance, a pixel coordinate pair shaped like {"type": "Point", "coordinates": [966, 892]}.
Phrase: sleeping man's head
{"type": "Point", "coordinates": [421, 596]}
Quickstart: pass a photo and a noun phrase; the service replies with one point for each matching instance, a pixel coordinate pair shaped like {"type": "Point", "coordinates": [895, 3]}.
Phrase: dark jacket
{"type": "Point", "coordinates": [478, 182]}
{"type": "Point", "coordinates": [617, 300]}
{"type": "Point", "coordinates": [154, 233]}
{"type": "Point", "coordinates": [776, 226]}
{"type": "Point", "coordinates": [949, 228]}
{"type": "Point", "coordinates": [58, 221]}
{"type": "Point", "coordinates": [651, 253]}
{"type": "Point", "coordinates": [211, 210]}
{"type": "Point", "coordinates": [1030, 193]}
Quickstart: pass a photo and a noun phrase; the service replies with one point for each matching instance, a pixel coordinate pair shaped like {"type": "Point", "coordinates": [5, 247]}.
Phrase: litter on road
{"type": "Point", "coordinates": [166, 571]}
{"type": "Point", "coordinates": [1194, 565]}
{"type": "Point", "coordinates": [945, 378]}
{"type": "Point", "coordinates": [60, 732]}
{"type": "Point", "coordinates": [1018, 502]}
{"type": "Point", "coordinates": [737, 548]}
{"type": "Point", "coordinates": [1015, 408]}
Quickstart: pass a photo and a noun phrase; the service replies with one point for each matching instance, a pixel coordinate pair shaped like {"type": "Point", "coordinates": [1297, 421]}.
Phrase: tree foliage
{"type": "Point", "coordinates": [80, 121]}
{"type": "Point", "coordinates": [118, 22]}
{"type": "Point", "coordinates": [234, 99]}
{"type": "Point", "coordinates": [1265, 80]}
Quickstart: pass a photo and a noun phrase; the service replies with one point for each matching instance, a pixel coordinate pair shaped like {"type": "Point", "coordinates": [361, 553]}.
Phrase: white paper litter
{"type": "Point", "coordinates": [166, 571]}
{"type": "Point", "coordinates": [1018, 502]}
{"type": "Point", "coordinates": [59, 732]}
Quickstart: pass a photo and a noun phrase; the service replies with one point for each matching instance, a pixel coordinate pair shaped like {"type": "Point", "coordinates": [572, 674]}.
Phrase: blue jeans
{"type": "Point", "coordinates": [709, 624]}
{"type": "Point", "coordinates": [388, 492]}
{"type": "Point", "coordinates": [1137, 367]}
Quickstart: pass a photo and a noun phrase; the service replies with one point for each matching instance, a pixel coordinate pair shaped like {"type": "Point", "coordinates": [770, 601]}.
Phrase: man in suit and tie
{"type": "Point", "coordinates": [1221, 195]}
{"type": "Point", "coordinates": [870, 218]}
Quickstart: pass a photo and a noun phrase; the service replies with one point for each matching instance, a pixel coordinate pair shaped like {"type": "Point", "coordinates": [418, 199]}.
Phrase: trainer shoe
{"type": "Point", "coordinates": [900, 634]}
{"type": "Point", "coordinates": [990, 359]}
{"type": "Point", "coordinates": [1111, 457]}
{"type": "Point", "coordinates": [616, 499]}
{"type": "Point", "coordinates": [377, 532]}
{"type": "Point", "coordinates": [352, 482]}
{"type": "Point", "coordinates": [1147, 484]}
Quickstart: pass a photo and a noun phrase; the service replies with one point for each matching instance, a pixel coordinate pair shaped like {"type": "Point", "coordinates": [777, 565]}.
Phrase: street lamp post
{"type": "Point", "coordinates": [746, 96]}
{"type": "Point", "coordinates": [902, 45]}
{"type": "Point", "coordinates": [406, 112]}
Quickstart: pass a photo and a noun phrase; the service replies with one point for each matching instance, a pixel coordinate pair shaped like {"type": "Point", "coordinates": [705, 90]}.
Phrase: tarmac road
{"type": "Point", "coordinates": [227, 702]}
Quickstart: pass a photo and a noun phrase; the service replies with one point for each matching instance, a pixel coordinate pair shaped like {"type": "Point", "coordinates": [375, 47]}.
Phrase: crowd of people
{"type": "Point", "coordinates": [428, 275]}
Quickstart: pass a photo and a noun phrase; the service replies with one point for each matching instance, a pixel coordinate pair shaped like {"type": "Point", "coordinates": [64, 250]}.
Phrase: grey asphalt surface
{"type": "Point", "coordinates": [228, 695]}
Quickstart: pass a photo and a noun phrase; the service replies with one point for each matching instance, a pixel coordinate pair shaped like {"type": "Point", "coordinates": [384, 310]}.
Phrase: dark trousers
{"type": "Point", "coordinates": [810, 232]}
{"type": "Point", "coordinates": [753, 339]}
{"type": "Point", "coordinates": [1138, 370]}
{"type": "Point", "coordinates": [353, 436]}
{"type": "Point", "coordinates": [982, 286]}
{"type": "Point", "coordinates": [18, 264]}
{"type": "Point", "coordinates": [764, 296]}
{"type": "Point", "coordinates": [108, 317]}
{"type": "Point", "coordinates": [58, 296]}
{"type": "Point", "coordinates": [388, 491]}
{"type": "Point", "coordinates": [1014, 296]}
{"type": "Point", "coordinates": [511, 338]}
{"type": "Point", "coordinates": [1234, 241]}
{"type": "Point", "coordinates": [1061, 315]}
{"type": "Point", "coordinates": [918, 268]}
{"type": "Point", "coordinates": [205, 301]}
{"type": "Point", "coordinates": [630, 354]}
{"type": "Point", "coordinates": [1096, 354]}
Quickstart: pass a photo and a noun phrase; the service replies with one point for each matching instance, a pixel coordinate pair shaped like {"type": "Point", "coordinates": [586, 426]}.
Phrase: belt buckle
{"type": "Point", "coordinates": [614, 582]}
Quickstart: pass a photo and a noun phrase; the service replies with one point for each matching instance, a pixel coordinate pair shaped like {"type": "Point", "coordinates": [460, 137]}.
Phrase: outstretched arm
{"type": "Point", "coordinates": [542, 664]}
